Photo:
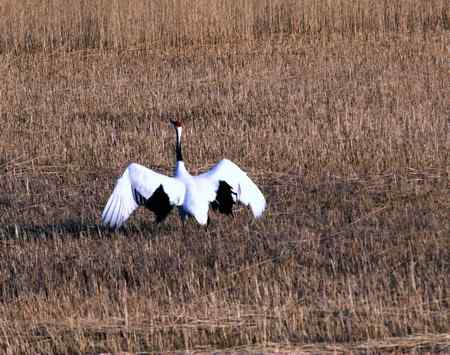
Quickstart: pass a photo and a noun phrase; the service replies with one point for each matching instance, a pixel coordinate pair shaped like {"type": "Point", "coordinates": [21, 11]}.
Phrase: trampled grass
{"type": "Point", "coordinates": [338, 110]}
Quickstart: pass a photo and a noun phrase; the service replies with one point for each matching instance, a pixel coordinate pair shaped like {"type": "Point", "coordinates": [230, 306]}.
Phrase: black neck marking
{"type": "Point", "coordinates": [178, 149]}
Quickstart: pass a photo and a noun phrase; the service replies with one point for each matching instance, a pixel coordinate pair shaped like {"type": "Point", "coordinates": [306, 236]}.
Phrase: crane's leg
{"type": "Point", "coordinates": [207, 224]}
{"type": "Point", "coordinates": [183, 216]}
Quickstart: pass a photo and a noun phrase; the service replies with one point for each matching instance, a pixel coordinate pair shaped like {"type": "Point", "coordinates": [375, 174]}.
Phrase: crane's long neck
{"type": "Point", "coordinates": [179, 155]}
{"type": "Point", "coordinates": [180, 169]}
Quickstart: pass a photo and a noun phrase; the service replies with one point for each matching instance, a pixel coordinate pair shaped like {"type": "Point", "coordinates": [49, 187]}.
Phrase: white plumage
{"type": "Point", "coordinates": [246, 190]}
{"type": "Point", "coordinates": [221, 187]}
{"type": "Point", "coordinates": [136, 184]}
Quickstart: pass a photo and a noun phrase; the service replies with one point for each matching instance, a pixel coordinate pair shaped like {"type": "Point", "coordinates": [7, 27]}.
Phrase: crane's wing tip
{"type": "Point", "coordinates": [259, 213]}
{"type": "Point", "coordinates": [258, 210]}
{"type": "Point", "coordinates": [110, 224]}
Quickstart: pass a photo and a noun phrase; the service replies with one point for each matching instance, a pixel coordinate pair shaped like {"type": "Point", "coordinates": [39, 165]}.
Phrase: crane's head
{"type": "Point", "coordinates": [176, 123]}
{"type": "Point", "coordinates": [178, 129]}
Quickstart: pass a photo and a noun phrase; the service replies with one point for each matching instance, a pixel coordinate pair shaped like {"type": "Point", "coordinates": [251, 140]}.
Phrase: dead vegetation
{"type": "Point", "coordinates": [339, 110]}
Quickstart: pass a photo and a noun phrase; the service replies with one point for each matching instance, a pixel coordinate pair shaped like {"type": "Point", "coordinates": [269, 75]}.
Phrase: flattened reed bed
{"type": "Point", "coordinates": [345, 129]}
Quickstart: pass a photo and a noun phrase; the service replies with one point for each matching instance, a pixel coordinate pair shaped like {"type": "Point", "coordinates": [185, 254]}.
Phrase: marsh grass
{"type": "Point", "coordinates": [121, 24]}
{"type": "Point", "coordinates": [338, 110]}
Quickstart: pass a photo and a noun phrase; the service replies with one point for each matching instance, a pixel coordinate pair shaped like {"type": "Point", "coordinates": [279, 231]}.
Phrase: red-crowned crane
{"type": "Point", "coordinates": [221, 187]}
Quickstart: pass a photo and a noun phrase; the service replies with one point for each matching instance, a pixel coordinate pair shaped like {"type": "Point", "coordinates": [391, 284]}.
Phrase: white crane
{"type": "Point", "coordinates": [221, 187]}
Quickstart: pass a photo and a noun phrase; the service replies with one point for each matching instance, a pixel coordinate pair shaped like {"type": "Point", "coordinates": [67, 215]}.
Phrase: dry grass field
{"type": "Point", "coordinates": [339, 110]}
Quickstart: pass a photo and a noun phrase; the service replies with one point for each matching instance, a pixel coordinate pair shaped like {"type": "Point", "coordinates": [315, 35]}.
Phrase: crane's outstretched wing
{"type": "Point", "coordinates": [232, 185]}
{"type": "Point", "coordinates": [139, 186]}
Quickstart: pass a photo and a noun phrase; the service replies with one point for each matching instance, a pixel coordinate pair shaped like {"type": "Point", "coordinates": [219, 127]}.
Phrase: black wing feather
{"type": "Point", "coordinates": [224, 199]}
{"type": "Point", "coordinates": [158, 203]}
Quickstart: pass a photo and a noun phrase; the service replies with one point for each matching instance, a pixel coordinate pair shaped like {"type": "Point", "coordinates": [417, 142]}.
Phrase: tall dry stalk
{"type": "Point", "coordinates": [339, 111]}
{"type": "Point", "coordinates": [57, 25]}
